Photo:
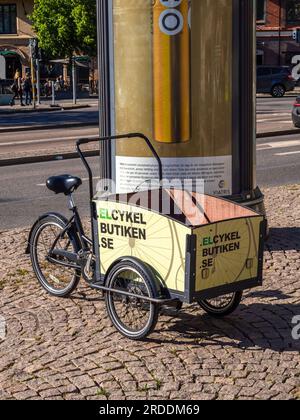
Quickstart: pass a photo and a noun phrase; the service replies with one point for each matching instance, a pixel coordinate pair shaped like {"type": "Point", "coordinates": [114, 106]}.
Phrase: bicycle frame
{"type": "Point", "coordinates": [86, 243]}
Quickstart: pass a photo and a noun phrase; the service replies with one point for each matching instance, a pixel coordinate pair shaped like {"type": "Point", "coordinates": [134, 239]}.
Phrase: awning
{"type": "Point", "coordinates": [7, 53]}
{"type": "Point", "coordinates": [60, 61]}
{"type": "Point", "coordinates": [81, 59]}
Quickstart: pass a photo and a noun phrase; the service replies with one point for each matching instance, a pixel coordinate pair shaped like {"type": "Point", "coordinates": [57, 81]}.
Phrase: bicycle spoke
{"type": "Point", "coordinates": [132, 311]}
{"type": "Point", "coordinates": [55, 275]}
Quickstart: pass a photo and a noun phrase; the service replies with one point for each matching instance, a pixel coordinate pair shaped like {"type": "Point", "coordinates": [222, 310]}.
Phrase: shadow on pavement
{"type": "Point", "coordinates": [253, 326]}
{"type": "Point", "coordinates": [269, 294]}
{"type": "Point", "coordinates": [284, 239]}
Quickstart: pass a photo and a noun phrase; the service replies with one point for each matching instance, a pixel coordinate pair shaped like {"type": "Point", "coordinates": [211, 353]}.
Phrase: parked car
{"type": "Point", "coordinates": [275, 80]}
{"type": "Point", "coordinates": [296, 113]}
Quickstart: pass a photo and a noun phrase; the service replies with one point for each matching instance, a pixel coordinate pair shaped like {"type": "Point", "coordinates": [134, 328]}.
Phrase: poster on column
{"type": "Point", "coordinates": [173, 83]}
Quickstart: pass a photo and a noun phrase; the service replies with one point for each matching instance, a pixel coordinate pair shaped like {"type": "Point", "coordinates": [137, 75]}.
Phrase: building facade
{"type": "Point", "coordinates": [276, 20]}
{"type": "Point", "coordinates": [15, 33]}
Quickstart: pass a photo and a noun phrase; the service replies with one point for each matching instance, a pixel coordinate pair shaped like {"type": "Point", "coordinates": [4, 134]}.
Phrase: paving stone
{"type": "Point", "coordinates": [67, 349]}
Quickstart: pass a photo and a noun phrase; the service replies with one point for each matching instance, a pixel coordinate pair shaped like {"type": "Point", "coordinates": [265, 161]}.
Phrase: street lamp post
{"type": "Point", "coordinates": [33, 48]}
{"type": "Point", "coordinates": [74, 78]}
{"type": "Point", "coordinates": [38, 81]}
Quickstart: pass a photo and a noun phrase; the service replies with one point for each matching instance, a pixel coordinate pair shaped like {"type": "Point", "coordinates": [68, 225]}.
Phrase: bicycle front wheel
{"type": "Point", "coordinates": [56, 279]}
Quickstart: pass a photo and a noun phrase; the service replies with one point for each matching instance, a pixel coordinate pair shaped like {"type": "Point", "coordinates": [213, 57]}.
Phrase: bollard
{"type": "Point", "coordinates": [53, 93]}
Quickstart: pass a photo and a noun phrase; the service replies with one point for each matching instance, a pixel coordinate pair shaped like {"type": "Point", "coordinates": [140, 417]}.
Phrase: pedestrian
{"type": "Point", "coordinates": [62, 83]}
{"type": "Point", "coordinates": [57, 85]}
{"type": "Point", "coordinates": [48, 88]}
{"type": "Point", "coordinates": [27, 88]}
{"type": "Point", "coordinates": [14, 89]}
{"type": "Point", "coordinates": [17, 89]}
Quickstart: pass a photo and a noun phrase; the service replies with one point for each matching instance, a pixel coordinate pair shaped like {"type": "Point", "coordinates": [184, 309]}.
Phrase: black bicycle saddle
{"type": "Point", "coordinates": [63, 184]}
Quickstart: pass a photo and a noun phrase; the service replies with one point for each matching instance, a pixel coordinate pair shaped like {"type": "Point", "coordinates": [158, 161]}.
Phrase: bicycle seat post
{"type": "Point", "coordinates": [71, 202]}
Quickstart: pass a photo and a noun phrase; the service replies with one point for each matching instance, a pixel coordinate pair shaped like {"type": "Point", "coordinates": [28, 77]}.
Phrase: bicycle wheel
{"type": "Point", "coordinates": [222, 306]}
{"type": "Point", "coordinates": [56, 279]}
{"type": "Point", "coordinates": [133, 317]}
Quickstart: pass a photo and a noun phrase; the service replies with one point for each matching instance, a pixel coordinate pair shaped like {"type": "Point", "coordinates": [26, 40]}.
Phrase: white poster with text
{"type": "Point", "coordinates": [214, 172]}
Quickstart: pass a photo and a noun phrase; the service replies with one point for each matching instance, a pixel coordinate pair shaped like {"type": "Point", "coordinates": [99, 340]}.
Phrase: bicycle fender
{"type": "Point", "coordinates": [160, 289]}
{"type": "Point", "coordinates": [57, 216]}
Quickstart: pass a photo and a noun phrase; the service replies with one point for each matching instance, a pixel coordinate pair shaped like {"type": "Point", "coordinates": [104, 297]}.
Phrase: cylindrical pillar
{"type": "Point", "coordinates": [105, 84]}
{"type": "Point", "coordinates": [183, 73]}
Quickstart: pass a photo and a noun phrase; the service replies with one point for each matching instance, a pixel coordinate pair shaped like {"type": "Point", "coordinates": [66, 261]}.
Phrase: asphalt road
{"type": "Point", "coordinates": [84, 115]}
{"type": "Point", "coordinates": [274, 114]}
{"type": "Point", "coordinates": [35, 142]}
{"type": "Point", "coordinates": [265, 106]}
{"type": "Point", "coordinates": [23, 196]}
{"type": "Point", "coordinates": [269, 105]}
{"type": "Point", "coordinates": [278, 160]}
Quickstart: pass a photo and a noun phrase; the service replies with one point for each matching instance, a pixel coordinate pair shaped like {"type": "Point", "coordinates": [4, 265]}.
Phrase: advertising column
{"type": "Point", "coordinates": [173, 82]}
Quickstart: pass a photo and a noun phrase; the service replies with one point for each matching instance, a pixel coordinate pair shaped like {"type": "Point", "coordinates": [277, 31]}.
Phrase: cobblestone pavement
{"type": "Point", "coordinates": [67, 349]}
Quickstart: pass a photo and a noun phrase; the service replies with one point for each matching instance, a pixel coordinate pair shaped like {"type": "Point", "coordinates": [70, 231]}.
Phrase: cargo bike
{"type": "Point", "coordinates": [149, 249]}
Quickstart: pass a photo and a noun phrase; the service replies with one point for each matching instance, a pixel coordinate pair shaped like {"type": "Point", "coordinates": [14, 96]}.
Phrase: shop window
{"type": "Point", "coordinates": [8, 19]}
{"type": "Point", "coordinates": [293, 11]}
{"type": "Point", "coordinates": [261, 10]}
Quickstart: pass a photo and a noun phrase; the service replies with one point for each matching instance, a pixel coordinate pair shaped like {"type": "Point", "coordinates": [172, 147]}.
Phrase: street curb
{"type": "Point", "coordinates": [287, 95]}
{"type": "Point", "coordinates": [295, 95]}
{"type": "Point", "coordinates": [39, 110]}
{"type": "Point", "coordinates": [47, 127]}
{"type": "Point", "coordinates": [45, 158]}
{"type": "Point", "coordinates": [278, 133]}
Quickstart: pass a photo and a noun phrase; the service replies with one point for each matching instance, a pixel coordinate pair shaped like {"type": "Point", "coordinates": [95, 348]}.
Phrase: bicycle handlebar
{"type": "Point", "coordinates": [140, 136]}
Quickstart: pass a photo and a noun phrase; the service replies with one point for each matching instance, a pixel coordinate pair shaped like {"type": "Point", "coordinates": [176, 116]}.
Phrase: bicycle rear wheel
{"type": "Point", "coordinates": [56, 279]}
{"type": "Point", "coordinates": [222, 306]}
{"type": "Point", "coordinates": [133, 317]}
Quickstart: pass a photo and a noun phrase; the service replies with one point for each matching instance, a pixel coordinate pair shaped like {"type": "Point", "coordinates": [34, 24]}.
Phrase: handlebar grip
{"type": "Point", "coordinates": [84, 141]}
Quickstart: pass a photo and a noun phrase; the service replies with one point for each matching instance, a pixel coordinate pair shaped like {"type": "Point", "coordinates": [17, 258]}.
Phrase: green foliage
{"type": "Point", "coordinates": [65, 27]}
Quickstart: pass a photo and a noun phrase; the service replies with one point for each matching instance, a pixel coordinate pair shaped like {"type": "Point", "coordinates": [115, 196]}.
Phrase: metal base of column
{"type": "Point", "coordinates": [255, 200]}
{"type": "Point", "coordinates": [252, 199]}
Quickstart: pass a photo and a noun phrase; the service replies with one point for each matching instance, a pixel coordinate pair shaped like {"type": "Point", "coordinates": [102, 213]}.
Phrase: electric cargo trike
{"type": "Point", "coordinates": [148, 249]}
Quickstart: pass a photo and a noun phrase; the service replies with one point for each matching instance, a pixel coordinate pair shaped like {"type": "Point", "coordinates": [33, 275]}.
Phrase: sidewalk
{"type": "Point", "coordinates": [276, 129]}
{"type": "Point", "coordinates": [67, 349]}
{"type": "Point", "coordinates": [44, 107]}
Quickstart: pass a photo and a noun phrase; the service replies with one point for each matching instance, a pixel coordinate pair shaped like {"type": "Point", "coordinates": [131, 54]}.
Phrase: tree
{"type": "Point", "coordinates": [65, 27]}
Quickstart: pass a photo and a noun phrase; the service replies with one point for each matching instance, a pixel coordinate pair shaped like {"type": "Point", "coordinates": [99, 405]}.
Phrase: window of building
{"type": "Point", "coordinates": [293, 11]}
{"type": "Point", "coordinates": [8, 18]}
{"type": "Point", "coordinates": [261, 10]}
